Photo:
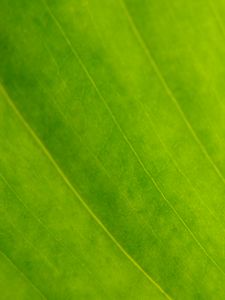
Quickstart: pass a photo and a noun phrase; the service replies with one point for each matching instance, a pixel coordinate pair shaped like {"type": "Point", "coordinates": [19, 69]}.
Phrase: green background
{"type": "Point", "coordinates": [112, 149]}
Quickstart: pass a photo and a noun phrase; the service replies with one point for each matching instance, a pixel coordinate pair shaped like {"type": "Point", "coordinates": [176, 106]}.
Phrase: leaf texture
{"type": "Point", "coordinates": [112, 138]}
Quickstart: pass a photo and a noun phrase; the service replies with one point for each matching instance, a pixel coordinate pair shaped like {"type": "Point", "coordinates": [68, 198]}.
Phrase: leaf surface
{"type": "Point", "coordinates": [112, 168]}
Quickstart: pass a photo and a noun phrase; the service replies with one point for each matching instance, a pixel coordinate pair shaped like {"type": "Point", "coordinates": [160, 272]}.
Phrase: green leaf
{"type": "Point", "coordinates": [112, 138]}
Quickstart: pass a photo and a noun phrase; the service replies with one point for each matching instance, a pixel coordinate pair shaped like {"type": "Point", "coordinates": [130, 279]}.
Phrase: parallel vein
{"type": "Point", "coordinates": [23, 274]}
{"type": "Point", "coordinates": [75, 192]}
{"type": "Point", "coordinates": [168, 90]}
{"type": "Point", "coordinates": [124, 135]}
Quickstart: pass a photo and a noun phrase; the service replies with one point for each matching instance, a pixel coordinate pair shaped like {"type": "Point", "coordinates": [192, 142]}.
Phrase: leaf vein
{"type": "Point", "coordinates": [169, 91]}
{"type": "Point", "coordinates": [78, 196]}
{"type": "Point", "coordinates": [124, 135]}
